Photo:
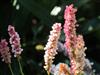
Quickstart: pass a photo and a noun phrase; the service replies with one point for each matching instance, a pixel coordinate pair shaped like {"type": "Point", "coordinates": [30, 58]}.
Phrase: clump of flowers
{"type": "Point", "coordinates": [74, 45]}
{"type": "Point", "coordinates": [14, 41]}
{"type": "Point", "coordinates": [16, 48]}
{"type": "Point", "coordinates": [15, 44]}
{"type": "Point", "coordinates": [60, 69]}
{"type": "Point", "coordinates": [51, 46]}
{"type": "Point", "coordinates": [4, 50]}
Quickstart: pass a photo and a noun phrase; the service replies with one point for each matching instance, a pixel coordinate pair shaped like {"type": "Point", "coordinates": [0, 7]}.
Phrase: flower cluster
{"type": "Point", "coordinates": [74, 43]}
{"type": "Point", "coordinates": [14, 41]}
{"type": "Point", "coordinates": [60, 69]}
{"type": "Point", "coordinates": [51, 46]}
{"type": "Point", "coordinates": [16, 48]}
{"type": "Point", "coordinates": [4, 50]}
{"type": "Point", "coordinates": [69, 28]}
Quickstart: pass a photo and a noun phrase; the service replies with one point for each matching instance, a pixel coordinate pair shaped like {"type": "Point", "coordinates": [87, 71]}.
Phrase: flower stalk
{"type": "Point", "coordinates": [9, 65]}
{"type": "Point", "coordinates": [21, 70]}
{"type": "Point", "coordinates": [74, 43]}
{"type": "Point", "coordinates": [51, 46]}
{"type": "Point", "coordinates": [15, 44]}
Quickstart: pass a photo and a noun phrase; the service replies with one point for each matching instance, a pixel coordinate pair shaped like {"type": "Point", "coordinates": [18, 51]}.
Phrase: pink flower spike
{"type": "Point", "coordinates": [74, 43]}
{"type": "Point", "coordinates": [14, 41]}
{"type": "Point", "coordinates": [51, 46]}
{"type": "Point", "coordinates": [4, 50]}
{"type": "Point", "coordinates": [69, 27]}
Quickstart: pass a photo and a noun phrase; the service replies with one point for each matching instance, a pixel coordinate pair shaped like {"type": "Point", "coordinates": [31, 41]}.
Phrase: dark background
{"type": "Point", "coordinates": [33, 22]}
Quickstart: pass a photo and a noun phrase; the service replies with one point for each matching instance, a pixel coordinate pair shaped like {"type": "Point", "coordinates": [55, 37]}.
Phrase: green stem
{"type": "Point", "coordinates": [9, 65]}
{"type": "Point", "coordinates": [48, 72]}
{"type": "Point", "coordinates": [20, 66]}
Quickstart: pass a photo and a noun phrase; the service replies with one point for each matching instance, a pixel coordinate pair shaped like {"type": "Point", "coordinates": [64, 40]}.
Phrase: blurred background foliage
{"type": "Point", "coordinates": [33, 21]}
